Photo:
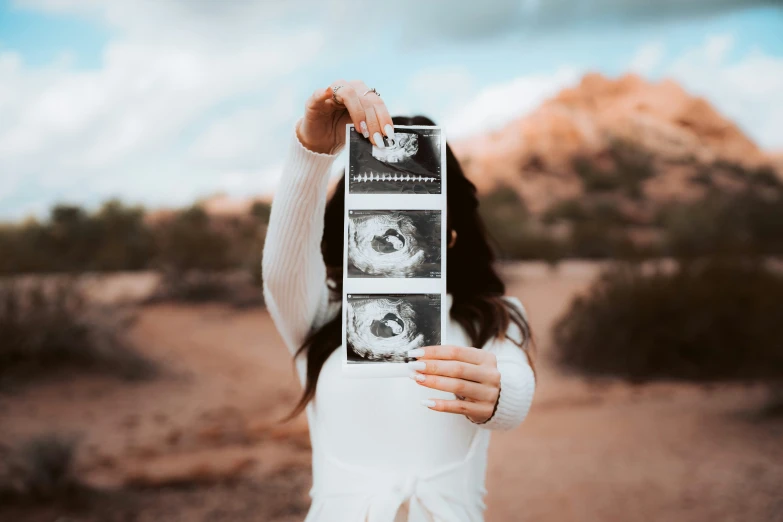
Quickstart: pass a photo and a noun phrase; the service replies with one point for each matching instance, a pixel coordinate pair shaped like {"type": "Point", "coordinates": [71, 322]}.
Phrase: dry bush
{"type": "Point", "coordinates": [46, 329]}
{"type": "Point", "coordinates": [241, 289]}
{"type": "Point", "coordinates": [40, 469]}
{"type": "Point", "coordinates": [714, 320]}
{"type": "Point", "coordinates": [513, 230]}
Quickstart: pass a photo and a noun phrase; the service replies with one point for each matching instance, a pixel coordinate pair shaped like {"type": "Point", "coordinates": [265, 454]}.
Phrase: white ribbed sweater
{"type": "Point", "coordinates": [379, 424]}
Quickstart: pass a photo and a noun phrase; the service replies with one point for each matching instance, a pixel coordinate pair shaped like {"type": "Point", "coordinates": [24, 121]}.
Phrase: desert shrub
{"type": "Point", "coordinates": [73, 240]}
{"type": "Point", "coordinates": [745, 222]}
{"type": "Point", "coordinates": [708, 321]}
{"type": "Point", "coordinates": [513, 231]}
{"type": "Point", "coordinates": [240, 289]}
{"type": "Point", "coordinates": [50, 328]}
{"type": "Point", "coordinates": [40, 469]}
{"type": "Point", "coordinates": [594, 178]}
{"type": "Point", "coordinates": [631, 165]}
{"type": "Point", "coordinates": [118, 237]}
{"type": "Point", "coordinates": [765, 176]}
{"type": "Point", "coordinates": [597, 239]}
{"type": "Point", "coordinates": [190, 241]}
{"type": "Point", "coordinates": [565, 210]}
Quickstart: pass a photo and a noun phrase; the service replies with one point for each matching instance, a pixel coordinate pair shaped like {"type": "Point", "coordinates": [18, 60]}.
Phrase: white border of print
{"type": "Point", "coordinates": [356, 285]}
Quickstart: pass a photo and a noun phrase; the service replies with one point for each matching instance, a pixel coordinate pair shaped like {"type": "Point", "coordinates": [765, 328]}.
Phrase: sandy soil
{"type": "Point", "coordinates": [200, 442]}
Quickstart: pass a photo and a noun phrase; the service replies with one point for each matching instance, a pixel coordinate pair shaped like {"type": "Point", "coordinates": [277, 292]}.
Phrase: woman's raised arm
{"type": "Point", "coordinates": [293, 268]}
{"type": "Point", "coordinates": [294, 273]}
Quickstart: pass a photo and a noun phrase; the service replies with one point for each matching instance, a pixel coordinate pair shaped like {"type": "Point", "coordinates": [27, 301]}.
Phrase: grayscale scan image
{"type": "Point", "coordinates": [394, 243]}
{"type": "Point", "coordinates": [383, 327]}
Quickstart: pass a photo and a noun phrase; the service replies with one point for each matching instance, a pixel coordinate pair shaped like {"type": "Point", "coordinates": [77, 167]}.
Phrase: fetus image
{"type": "Point", "coordinates": [394, 243]}
{"type": "Point", "coordinates": [383, 327]}
{"type": "Point", "coordinates": [404, 145]}
{"type": "Point", "coordinates": [408, 164]}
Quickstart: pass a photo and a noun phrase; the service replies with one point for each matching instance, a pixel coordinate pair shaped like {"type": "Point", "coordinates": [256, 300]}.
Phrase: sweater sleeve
{"type": "Point", "coordinates": [517, 381]}
{"type": "Point", "coordinates": [294, 273]}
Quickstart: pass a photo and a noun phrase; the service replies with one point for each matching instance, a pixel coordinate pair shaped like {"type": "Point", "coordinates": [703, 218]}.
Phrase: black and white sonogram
{"type": "Point", "coordinates": [410, 164]}
{"type": "Point", "coordinates": [383, 327]}
{"type": "Point", "coordinates": [394, 243]}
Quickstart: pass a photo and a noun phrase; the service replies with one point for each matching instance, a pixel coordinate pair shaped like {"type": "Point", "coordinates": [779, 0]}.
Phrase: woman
{"type": "Point", "coordinates": [390, 449]}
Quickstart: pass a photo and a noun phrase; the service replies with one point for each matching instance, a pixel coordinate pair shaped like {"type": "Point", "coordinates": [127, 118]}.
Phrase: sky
{"type": "Point", "coordinates": [162, 102]}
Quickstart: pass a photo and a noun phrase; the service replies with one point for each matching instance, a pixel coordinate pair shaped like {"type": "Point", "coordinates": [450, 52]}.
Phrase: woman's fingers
{"type": "Point", "coordinates": [350, 100]}
{"type": "Point", "coordinates": [380, 122]}
{"type": "Point", "coordinates": [384, 120]}
{"type": "Point", "coordinates": [472, 410]}
{"type": "Point", "coordinates": [459, 370]}
{"type": "Point", "coordinates": [469, 389]}
{"type": "Point", "coordinates": [374, 126]}
{"type": "Point", "coordinates": [454, 353]}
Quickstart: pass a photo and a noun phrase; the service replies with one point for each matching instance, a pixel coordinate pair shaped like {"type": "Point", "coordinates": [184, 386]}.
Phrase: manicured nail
{"type": "Point", "coordinates": [417, 365]}
{"type": "Point", "coordinates": [416, 352]}
{"type": "Point", "coordinates": [365, 130]}
{"type": "Point", "coordinates": [428, 403]}
{"type": "Point", "coordinates": [417, 376]}
{"type": "Point", "coordinates": [389, 130]}
{"type": "Point", "coordinates": [378, 139]}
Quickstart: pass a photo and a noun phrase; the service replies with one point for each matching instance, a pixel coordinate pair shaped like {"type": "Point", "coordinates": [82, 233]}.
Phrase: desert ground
{"type": "Point", "coordinates": [201, 441]}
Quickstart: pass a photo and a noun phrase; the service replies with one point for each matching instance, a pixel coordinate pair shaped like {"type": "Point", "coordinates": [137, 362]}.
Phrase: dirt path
{"type": "Point", "coordinates": [199, 443]}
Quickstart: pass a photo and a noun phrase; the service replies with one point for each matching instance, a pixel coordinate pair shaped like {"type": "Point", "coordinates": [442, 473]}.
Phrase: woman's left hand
{"type": "Point", "coordinates": [469, 373]}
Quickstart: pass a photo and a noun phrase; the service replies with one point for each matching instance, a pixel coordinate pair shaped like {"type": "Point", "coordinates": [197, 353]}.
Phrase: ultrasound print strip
{"type": "Point", "coordinates": [394, 243]}
{"type": "Point", "coordinates": [410, 164]}
{"type": "Point", "coordinates": [383, 327]}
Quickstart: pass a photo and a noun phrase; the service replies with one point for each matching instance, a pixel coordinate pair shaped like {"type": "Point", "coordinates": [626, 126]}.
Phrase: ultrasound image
{"type": "Point", "coordinates": [410, 164]}
{"type": "Point", "coordinates": [394, 243]}
{"type": "Point", "coordinates": [383, 327]}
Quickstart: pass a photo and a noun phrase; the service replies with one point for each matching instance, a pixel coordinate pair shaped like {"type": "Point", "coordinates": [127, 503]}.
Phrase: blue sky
{"type": "Point", "coordinates": [161, 102]}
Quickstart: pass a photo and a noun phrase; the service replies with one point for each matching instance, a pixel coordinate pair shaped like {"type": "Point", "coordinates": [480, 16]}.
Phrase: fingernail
{"type": "Point", "coordinates": [416, 352]}
{"type": "Point", "coordinates": [389, 130]}
{"type": "Point", "coordinates": [378, 139]}
{"type": "Point", "coordinates": [416, 376]}
{"type": "Point", "coordinates": [417, 365]}
{"type": "Point", "coordinates": [428, 403]}
{"type": "Point", "coordinates": [365, 130]}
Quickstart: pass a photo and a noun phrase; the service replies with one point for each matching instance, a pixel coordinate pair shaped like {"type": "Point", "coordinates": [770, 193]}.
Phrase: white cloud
{"type": "Point", "coordinates": [647, 58]}
{"type": "Point", "coordinates": [748, 90]}
{"type": "Point", "coordinates": [495, 105]}
{"type": "Point", "coordinates": [123, 127]}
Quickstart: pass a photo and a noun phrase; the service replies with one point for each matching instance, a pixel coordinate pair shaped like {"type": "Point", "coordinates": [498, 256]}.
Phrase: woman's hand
{"type": "Point", "coordinates": [323, 126]}
{"type": "Point", "coordinates": [469, 373]}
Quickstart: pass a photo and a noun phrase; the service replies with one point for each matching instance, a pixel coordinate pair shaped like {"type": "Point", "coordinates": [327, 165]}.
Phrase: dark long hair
{"type": "Point", "coordinates": [475, 287]}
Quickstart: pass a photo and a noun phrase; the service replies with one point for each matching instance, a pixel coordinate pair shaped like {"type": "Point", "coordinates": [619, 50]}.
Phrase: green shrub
{"type": "Point", "coordinates": [51, 328]}
{"type": "Point", "coordinates": [708, 321]}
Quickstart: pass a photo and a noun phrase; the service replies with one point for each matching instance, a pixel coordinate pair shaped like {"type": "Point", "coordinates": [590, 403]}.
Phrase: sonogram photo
{"type": "Point", "coordinates": [409, 164]}
{"type": "Point", "coordinates": [383, 327]}
{"type": "Point", "coordinates": [394, 243]}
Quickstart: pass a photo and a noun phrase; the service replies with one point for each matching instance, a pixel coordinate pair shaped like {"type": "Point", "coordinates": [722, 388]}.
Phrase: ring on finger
{"type": "Point", "coordinates": [334, 94]}
{"type": "Point", "coordinates": [372, 90]}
